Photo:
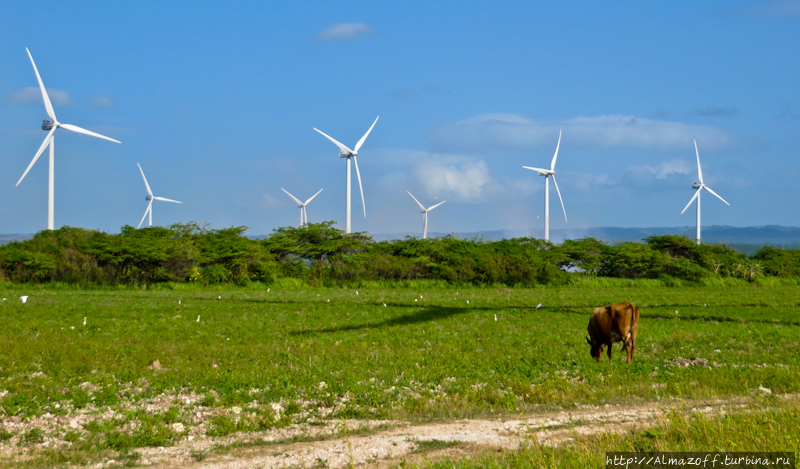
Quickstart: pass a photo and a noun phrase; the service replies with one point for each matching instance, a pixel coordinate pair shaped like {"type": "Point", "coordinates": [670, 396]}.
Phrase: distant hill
{"type": "Point", "coordinates": [747, 239]}
{"type": "Point", "coordinates": [7, 238]}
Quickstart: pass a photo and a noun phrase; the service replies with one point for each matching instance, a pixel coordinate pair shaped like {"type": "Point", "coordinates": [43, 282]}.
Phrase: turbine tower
{"type": "Point", "coordinates": [699, 188]}
{"type": "Point", "coordinates": [151, 198]}
{"type": "Point", "coordinates": [547, 173]}
{"type": "Point", "coordinates": [425, 214]}
{"type": "Point", "coordinates": [302, 205]}
{"type": "Point", "coordinates": [345, 152]}
{"type": "Point", "coordinates": [50, 140]}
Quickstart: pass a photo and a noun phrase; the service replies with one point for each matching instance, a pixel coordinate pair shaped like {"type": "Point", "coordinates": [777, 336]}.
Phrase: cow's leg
{"type": "Point", "coordinates": [633, 347]}
{"type": "Point", "coordinates": [629, 349]}
{"type": "Point", "coordinates": [610, 346]}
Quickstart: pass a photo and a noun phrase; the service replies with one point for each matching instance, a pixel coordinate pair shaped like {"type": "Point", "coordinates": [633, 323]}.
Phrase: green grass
{"type": "Point", "coordinates": [331, 352]}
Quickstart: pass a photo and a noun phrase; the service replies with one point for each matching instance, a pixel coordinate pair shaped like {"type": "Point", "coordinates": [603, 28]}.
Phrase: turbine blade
{"type": "Point", "coordinates": [417, 201]}
{"type": "Point", "coordinates": [312, 197]}
{"type": "Point", "coordinates": [431, 208]}
{"type": "Point", "coordinates": [358, 174]}
{"type": "Point", "coordinates": [553, 163]}
{"type": "Point", "coordinates": [145, 180]}
{"type": "Point", "coordinates": [692, 200]}
{"type": "Point", "coordinates": [537, 169]}
{"type": "Point", "coordinates": [39, 153]}
{"type": "Point", "coordinates": [559, 197]}
{"type": "Point", "coordinates": [47, 104]}
{"type": "Point", "coordinates": [167, 200]}
{"type": "Point", "coordinates": [149, 206]}
{"type": "Point", "coordinates": [361, 142]}
{"type": "Point", "coordinates": [699, 171]}
{"type": "Point", "coordinates": [299, 204]}
{"type": "Point", "coordinates": [720, 198]}
{"type": "Point", "coordinates": [79, 130]}
{"type": "Point", "coordinates": [338, 144]}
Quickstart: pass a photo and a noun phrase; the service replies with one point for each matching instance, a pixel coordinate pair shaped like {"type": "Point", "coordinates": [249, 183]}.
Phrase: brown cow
{"type": "Point", "coordinates": [613, 323]}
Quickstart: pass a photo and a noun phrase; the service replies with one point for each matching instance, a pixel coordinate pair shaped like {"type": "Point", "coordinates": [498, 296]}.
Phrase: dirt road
{"type": "Point", "coordinates": [388, 443]}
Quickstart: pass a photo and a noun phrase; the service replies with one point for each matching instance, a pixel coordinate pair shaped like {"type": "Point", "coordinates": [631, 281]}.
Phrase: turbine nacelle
{"type": "Point", "coordinates": [696, 185]}
{"type": "Point", "coordinates": [148, 197]}
{"type": "Point", "coordinates": [48, 124]}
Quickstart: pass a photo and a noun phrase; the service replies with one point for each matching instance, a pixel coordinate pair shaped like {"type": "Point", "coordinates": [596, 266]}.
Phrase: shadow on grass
{"type": "Point", "coordinates": [426, 315]}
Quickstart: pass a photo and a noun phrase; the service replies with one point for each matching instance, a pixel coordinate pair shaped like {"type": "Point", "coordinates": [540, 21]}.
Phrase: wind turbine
{"type": "Point", "coordinates": [151, 198]}
{"type": "Point", "coordinates": [547, 173]}
{"type": "Point", "coordinates": [302, 205]}
{"type": "Point", "coordinates": [425, 214]}
{"type": "Point", "coordinates": [345, 152]}
{"type": "Point", "coordinates": [50, 140]}
{"type": "Point", "coordinates": [699, 188]}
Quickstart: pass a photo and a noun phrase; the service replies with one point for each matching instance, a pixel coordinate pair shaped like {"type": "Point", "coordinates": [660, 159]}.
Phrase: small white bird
{"type": "Point", "coordinates": [495, 318]}
{"type": "Point", "coordinates": [179, 301]}
{"type": "Point", "coordinates": [23, 299]}
{"type": "Point", "coordinates": [538, 306]}
{"type": "Point", "coordinates": [219, 297]}
{"type": "Point", "coordinates": [84, 321]}
{"type": "Point", "coordinates": [384, 305]}
{"type": "Point", "coordinates": [420, 297]}
{"type": "Point", "coordinates": [329, 300]}
{"type": "Point", "coordinates": [676, 312]}
{"type": "Point", "coordinates": [356, 292]}
{"type": "Point", "coordinates": [267, 290]}
{"type": "Point", "coordinates": [467, 301]}
{"type": "Point", "coordinates": [416, 299]}
{"type": "Point", "coordinates": [198, 318]}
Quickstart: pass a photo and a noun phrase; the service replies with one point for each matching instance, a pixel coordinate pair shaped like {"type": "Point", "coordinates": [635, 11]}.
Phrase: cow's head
{"type": "Point", "coordinates": [596, 350]}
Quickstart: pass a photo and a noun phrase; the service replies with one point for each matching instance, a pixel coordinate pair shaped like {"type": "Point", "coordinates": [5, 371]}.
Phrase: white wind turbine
{"type": "Point", "coordinates": [345, 152]}
{"type": "Point", "coordinates": [699, 188]}
{"type": "Point", "coordinates": [50, 140]}
{"type": "Point", "coordinates": [425, 214]}
{"type": "Point", "coordinates": [547, 173]}
{"type": "Point", "coordinates": [151, 198]}
{"type": "Point", "coordinates": [302, 205]}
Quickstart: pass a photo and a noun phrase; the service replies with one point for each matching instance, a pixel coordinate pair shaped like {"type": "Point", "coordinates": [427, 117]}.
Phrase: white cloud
{"type": "Point", "coordinates": [515, 132]}
{"type": "Point", "coordinates": [455, 177]}
{"type": "Point", "coordinates": [466, 181]}
{"type": "Point", "coordinates": [103, 101]}
{"type": "Point", "coordinates": [269, 201]}
{"type": "Point", "coordinates": [669, 167]}
{"type": "Point", "coordinates": [344, 31]}
{"type": "Point", "coordinates": [775, 8]}
{"type": "Point", "coordinates": [32, 94]}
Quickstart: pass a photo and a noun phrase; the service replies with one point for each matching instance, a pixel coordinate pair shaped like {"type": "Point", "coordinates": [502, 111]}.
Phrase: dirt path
{"type": "Point", "coordinates": [386, 447]}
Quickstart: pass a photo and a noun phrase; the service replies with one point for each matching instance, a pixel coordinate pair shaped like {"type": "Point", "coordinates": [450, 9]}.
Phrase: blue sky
{"type": "Point", "coordinates": [217, 103]}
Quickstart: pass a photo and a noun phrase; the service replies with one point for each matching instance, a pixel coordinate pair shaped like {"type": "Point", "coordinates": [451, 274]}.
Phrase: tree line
{"type": "Point", "coordinates": [320, 254]}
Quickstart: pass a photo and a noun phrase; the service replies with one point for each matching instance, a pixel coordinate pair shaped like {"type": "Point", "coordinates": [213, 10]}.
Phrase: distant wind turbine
{"type": "Point", "coordinates": [425, 214]}
{"type": "Point", "coordinates": [151, 198]}
{"type": "Point", "coordinates": [50, 140]}
{"type": "Point", "coordinates": [302, 205]}
{"type": "Point", "coordinates": [345, 152]}
{"type": "Point", "coordinates": [699, 188]}
{"type": "Point", "coordinates": [547, 173]}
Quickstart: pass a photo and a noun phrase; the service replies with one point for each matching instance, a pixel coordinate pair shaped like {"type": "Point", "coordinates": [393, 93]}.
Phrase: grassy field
{"type": "Point", "coordinates": [145, 371]}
